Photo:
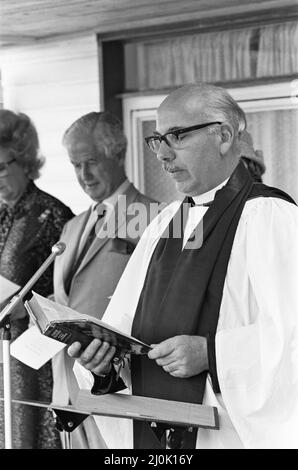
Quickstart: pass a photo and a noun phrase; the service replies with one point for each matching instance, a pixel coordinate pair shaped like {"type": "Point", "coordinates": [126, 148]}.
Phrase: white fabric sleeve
{"type": "Point", "coordinates": [257, 359]}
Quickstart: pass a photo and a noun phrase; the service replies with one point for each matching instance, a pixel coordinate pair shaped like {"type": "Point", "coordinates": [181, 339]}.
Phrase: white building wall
{"type": "Point", "coordinates": [54, 83]}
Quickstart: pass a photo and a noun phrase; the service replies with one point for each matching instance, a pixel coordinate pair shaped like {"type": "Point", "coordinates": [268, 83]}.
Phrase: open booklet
{"type": "Point", "coordinates": [67, 326]}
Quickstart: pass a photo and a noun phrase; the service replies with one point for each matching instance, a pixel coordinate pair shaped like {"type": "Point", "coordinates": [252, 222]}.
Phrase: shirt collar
{"type": "Point", "coordinates": [209, 195]}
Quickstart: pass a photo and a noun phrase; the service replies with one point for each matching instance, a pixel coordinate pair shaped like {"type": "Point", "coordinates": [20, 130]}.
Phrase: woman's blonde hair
{"type": "Point", "coordinates": [18, 135]}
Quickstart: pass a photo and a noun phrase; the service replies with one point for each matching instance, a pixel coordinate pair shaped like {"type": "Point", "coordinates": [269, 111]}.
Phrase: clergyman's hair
{"type": "Point", "coordinates": [19, 136]}
{"type": "Point", "coordinates": [104, 128]}
{"type": "Point", "coordinates": [221, 105]}
{"type": "Point", "coordinates": [217, 104]}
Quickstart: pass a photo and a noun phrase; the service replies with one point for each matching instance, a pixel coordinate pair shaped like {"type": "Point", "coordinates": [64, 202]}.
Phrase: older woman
{"type": "Point", "coordinates": [30, 223]}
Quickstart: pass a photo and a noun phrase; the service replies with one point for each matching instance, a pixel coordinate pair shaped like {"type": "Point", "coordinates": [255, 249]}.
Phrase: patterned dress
{"type": "Point", "coordinates": [27, 233]}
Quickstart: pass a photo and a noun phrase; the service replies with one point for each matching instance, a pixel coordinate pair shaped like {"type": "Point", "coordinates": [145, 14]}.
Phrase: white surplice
{"type": "Point", "coordinates": [257, 333]}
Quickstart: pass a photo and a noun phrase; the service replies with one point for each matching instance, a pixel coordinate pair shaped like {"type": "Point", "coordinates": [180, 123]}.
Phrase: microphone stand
{"type": "Point", "coordinates": [57, 250]}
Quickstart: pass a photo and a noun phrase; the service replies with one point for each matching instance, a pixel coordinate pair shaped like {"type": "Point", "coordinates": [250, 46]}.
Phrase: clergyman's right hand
{"type": "Point", "coordinates": [97, 357]}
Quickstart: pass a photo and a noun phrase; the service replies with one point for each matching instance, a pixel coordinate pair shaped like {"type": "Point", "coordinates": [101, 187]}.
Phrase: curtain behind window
{"type": "Point", "coordinates": [275, 132]}
{"type": "Point", "coordinates": [219, 56]}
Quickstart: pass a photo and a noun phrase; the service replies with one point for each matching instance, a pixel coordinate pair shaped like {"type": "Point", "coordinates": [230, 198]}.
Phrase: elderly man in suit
{"type": "Point", "coordinates": [99, 242]}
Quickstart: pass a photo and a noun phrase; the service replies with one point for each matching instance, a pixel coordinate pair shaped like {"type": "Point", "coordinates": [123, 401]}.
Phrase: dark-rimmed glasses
{"type": "Point", "coordinates": [174, 139]}
{"type": "Point", "coordinates": [4, 167]}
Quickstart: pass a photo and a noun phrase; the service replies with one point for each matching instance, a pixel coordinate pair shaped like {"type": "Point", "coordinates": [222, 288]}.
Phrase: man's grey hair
{"type": "Point", "coordinates": [216, 104]}
{"type": "Point", "coordinates": [104, 128]}
{"type": "Point", "coordinates": [220, 104]}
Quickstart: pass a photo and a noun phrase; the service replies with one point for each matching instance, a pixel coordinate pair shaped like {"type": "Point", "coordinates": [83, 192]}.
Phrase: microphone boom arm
{"type": "Point", "coordinates": [57, 250]}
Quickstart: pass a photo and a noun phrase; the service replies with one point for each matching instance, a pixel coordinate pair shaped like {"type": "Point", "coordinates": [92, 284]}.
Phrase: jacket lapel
{"type": "Point", "coordinates": [72, 243]}
{"type": "Point", "coordinates": [121, 211]}
{"type": "Point", "coordinates": [119, 215]}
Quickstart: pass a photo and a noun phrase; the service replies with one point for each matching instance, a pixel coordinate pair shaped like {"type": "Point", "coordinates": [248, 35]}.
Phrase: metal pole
{"type": "Point", "coordinates": [7, 386]}
{"type": "Point", "coordinates": [67, 440]}
{"type": "Point", "coordinates": [57, 249]}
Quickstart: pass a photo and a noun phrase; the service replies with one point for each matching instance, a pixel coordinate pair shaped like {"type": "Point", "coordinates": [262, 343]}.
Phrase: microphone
{"type": "Point", "coordinates": [57, 250]}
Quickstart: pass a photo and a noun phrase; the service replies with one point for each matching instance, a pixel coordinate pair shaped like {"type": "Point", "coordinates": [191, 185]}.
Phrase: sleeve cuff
{"type": "Point", "coordinates": [108, 384]}
{"type": "Point", "coordinates": [212, 363]}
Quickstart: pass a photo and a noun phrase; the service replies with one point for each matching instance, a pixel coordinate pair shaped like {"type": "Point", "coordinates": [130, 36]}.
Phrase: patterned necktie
{"type": "Point", "coordinates": [100, 211]}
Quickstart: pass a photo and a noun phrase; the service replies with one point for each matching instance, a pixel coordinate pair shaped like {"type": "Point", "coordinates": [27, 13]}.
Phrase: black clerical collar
{"type": "Point", "coordinates": [193, 204]}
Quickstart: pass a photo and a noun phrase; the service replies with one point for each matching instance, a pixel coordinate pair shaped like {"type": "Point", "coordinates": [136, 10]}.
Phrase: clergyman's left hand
{"type": "Point", "coordinates": [181, 356]}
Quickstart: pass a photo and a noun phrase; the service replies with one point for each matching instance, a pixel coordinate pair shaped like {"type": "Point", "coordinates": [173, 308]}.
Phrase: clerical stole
{"type": "Point", "coordinates": [182, 292]}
